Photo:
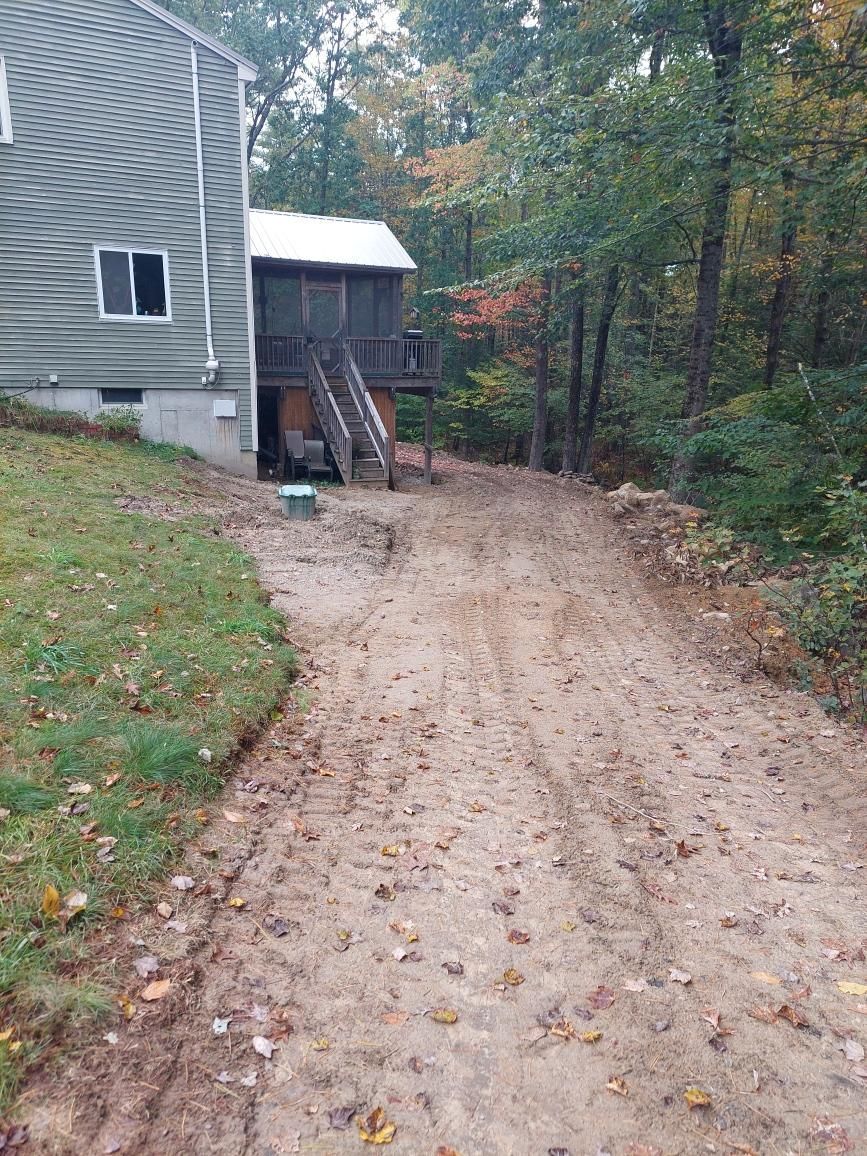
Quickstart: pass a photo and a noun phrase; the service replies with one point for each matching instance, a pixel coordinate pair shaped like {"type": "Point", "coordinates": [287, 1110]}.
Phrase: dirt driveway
{"type": "Point", "coordinates": [525, 801]}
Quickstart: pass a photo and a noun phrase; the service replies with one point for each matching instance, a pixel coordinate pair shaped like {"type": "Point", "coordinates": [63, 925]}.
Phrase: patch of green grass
{"type": "Point", "coordinates": [127, 644]}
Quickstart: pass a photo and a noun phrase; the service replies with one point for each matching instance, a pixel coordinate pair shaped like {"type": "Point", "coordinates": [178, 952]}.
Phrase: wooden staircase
{"type": "Point", "coordinates": [366, 466]}
{"type": "Point", "coordinates": [354, 430]}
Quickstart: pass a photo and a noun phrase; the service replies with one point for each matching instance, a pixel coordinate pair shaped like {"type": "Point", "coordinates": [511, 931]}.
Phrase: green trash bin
{"type": "Point", "coordinates": [298, 502]}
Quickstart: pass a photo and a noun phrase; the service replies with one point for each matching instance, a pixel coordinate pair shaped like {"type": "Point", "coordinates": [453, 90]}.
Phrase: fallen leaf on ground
{"type": "Point", "coordinates": [50, 901]}
{"type": "Point", "coordinates": [375, 1129]}
{"type": "Point", "coordinates": [233, 817]}
{"type": "Point", "coordinates": [852, 1050]}
{"type": "Point", "coordinates": [385, 891]}
{"type": "Point", "coordinates": [237, 901]}
{"type": "Point", "coordinates": [444, 1015]}
{"type": "Point", "coordinates": [684, 850]}
{"type": "Point", "coordinates": [696, 1098]}
{"type": "Point", "coordinates": [563, 1029]}
{"type": "Point", "coordinates": [165, 910]}
{"type": "Point", "coordinates": [516, 936]}
{"type": "Point", "coordinates": [276, 924]}
{"type": "Point", "coordinates": [849, 987]}
{"type": "Point", "coordinates": [156, 990]}
{"type": "Point", "coordinates": [146, 965]}
{"type": "Point", "coordinates": [568, 925]}
{"type": "Point", "coordinates": [445, 1150]}
{"type": "Point", "coordinates": [618, 1085]}
{"type": "Point", "coordinates": [126, 1006]}
{"type": "Point", "coordinates": [79, 789]}
{"type": "Point", "coordinates": [263, 1046]}
{"type": "Point", "coordinates": [321, 1044]}
{"type": "Point", "coordinates": [392, 850]}
{"type": "Point", "coordinates": [589, 1037]}
{"type": "Point", "coordinates": [394, 1017]}
{"type": "Point", "coordinates": [711, 1016]}
{"type": "Point", "coordinates": [220, 1026]}
{"type": "Point", "coordinates": [635, 985]}
{"type": "Point", "coordinates": [601, 998]}
{"type": "Point", "coordinates": [502, 907]}
{"type": "Point", "coordinates": [183, 883]}
{"type": "Point", "coordinates": [340, 1118]}
{"type": "Point", "coordinates": [513, 977]}
{"type": "Point", "coordinates": [766, 977]}
{"type": "Point", "coordinates": [786, 1012]}
{"type": "Point", "coordinates": [675, 975]}
{"type": "Point", "coordinates": [454, 967]}
{"type": "Point", "coordinates": [766, 1014]}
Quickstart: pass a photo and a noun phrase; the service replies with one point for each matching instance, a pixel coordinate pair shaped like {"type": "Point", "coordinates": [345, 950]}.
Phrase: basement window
{"type": "Point", "coordinates": [5, 111]}
{"type": "Point", "coordinates": [108, 397]}
{"type": "Point", "coordinates": [133, 284]}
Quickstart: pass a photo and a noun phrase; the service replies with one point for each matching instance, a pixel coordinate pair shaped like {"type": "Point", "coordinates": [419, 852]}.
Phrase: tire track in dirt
{"type": "Point", "coordinates": [478, 702]}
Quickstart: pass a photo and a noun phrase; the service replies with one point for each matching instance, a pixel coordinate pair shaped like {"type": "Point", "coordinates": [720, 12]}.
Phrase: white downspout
{"type": "Point", "coordinates": [248, 267]}
{"type": "Point", "coordinates": [212, 368]}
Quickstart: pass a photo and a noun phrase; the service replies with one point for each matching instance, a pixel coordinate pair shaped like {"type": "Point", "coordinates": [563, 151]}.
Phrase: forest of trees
{"type": "Point", "coordinates": [639, 228]}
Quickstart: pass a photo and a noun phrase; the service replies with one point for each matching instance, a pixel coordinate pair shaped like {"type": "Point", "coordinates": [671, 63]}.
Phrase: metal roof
{"type": "Point", "coordinates": [247, 70]}
{"type": "Point", "coordinates": [335, 242]}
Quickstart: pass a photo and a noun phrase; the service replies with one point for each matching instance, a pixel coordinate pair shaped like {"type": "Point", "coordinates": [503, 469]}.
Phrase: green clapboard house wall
{"type": "Point", "coordinates": [104, 153]}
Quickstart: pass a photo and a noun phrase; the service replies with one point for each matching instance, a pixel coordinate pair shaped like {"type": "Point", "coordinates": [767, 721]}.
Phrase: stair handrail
{"type": "Point", "coordinates": [367, 411]}
{"type": "Point", "coordinates": [325, 404]}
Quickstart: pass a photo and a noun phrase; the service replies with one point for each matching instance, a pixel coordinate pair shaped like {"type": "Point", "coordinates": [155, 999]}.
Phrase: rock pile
{"type": "Point", "coordinates": [629, 501]}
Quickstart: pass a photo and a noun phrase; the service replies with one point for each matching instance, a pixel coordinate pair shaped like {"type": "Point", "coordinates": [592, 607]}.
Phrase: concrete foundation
{"type": "Point", "coordinates": [184, 417]}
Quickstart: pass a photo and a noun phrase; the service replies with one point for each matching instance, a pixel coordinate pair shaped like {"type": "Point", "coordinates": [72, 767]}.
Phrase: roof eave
{"type": "Point", "coordinates": [337, 266]}
{"type": "Point", "coordinates": [247, 70]}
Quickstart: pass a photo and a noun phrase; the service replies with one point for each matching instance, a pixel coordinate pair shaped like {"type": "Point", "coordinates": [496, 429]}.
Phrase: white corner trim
{"type": "Point", "coordinates": [245, 66]}
{"type": "Point", "coordinates": [6, 134]}
{"type": "Point", "coordinates": [248, 267]}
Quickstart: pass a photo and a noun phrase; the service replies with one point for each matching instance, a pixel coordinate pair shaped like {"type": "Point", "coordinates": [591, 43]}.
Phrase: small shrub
{"type": "Point", "coordinates": [120, 419]}
{"type": "Point", "coordinates": [826, 611]}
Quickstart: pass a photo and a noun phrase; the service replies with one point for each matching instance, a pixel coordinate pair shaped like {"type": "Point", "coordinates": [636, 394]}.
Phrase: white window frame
{"type": "Point", "coordinates": [129, 250]}
{"type": "Point", "coordinates": [6, 134]}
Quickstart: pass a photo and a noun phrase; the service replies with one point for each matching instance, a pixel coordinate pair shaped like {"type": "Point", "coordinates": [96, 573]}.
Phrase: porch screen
{"type": "Point", "coordinates": [371, 307]}
{"type": "Point", "coordinates": [277, 305]}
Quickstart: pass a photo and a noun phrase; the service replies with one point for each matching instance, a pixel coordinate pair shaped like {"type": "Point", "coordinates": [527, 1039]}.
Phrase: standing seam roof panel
{"type": "Point", "coordinates": [335, 241]}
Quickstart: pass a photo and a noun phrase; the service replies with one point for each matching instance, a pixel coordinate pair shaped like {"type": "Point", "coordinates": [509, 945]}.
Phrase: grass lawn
{"type": "Point", "coordinates": [127, 644]}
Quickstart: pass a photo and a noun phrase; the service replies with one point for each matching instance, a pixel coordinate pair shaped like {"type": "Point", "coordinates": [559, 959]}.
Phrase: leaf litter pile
{"type": "Point", "coordinates": [499, 911]}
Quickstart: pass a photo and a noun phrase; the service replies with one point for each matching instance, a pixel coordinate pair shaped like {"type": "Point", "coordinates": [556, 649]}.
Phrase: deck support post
{"type": "Point", "coordinates": [428, 438]}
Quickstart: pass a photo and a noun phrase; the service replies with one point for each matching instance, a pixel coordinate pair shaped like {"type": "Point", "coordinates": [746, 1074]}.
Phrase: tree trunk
{"type": "Point", "coordinates": [468, 248]}
{"type": "Point", "coordinates": [606, 315]}
{"type": "Point", "coordinates": [724, 41]}
{"type": "Point", "coordinates": [540, 413]}
{"type": "Point", "coordinates": [821, 324]}
{"type": "Point", "coordinates": [576, 364]}
{"type": "Point", "coordinates": [782, 289]}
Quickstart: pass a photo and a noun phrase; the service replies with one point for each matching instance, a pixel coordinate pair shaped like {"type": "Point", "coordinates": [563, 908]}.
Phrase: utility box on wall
{"type": "Point", "coordinates": [225, 408]}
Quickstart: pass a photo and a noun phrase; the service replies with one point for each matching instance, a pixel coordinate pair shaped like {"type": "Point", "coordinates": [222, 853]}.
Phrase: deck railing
{"type": "Point", "coordinates": [374, 356]}
{"type": "Point", "coordinates": [397, 356]}
{"type": "Point", "coordinates": [327, 411]}
{"type": "Point", "coordinates": [278, 354]}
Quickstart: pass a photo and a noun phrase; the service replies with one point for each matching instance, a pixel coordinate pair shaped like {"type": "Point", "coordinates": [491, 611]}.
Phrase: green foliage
{"type": "Point", "coordinates": [826, 611]}
{"type": "Point", "coordinates": [766, 459]}
{"type": "Point", "coordinates": [120, 419]}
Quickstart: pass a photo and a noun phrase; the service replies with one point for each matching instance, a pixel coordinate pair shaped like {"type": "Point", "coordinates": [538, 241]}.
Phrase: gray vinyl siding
{"type": "Point", "coordinates": [104, 154]}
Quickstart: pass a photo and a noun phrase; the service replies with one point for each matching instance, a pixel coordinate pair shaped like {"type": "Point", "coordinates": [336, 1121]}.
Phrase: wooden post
{"type": "Point", "coordinates": [428, 438]}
